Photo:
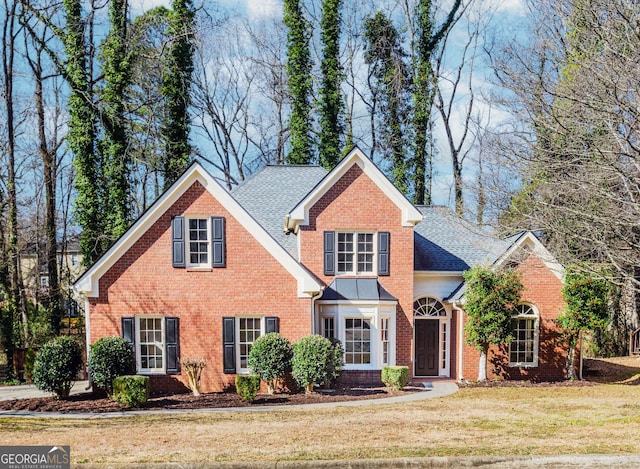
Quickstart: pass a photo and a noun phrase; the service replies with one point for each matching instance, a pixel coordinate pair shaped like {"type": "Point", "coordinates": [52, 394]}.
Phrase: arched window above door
{"type": "Point", "coordinates": [428, 307]}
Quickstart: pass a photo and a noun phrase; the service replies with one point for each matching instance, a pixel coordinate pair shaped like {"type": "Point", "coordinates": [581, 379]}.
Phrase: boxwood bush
{"type": "Point", "coordinates": [131, 390]}
{"type": "Point", "coordinates": [57, 365]}
{"type": "Point", "coordinates": [395, 377]}
{"type": "Point", "coordinates": [247, 386]}
{"type": "Point", "coordinates": [270, 358]}
{"type": "Point", "coordinates": [311, 362]}
{"type": "Point", "coordinates": [109, 358]}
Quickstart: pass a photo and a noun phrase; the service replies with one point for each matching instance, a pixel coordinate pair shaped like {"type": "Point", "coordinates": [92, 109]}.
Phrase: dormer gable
{"type": "Point", "coordinates": [195, 175]}
{"type": "Point", "coordinates": [299, 215]}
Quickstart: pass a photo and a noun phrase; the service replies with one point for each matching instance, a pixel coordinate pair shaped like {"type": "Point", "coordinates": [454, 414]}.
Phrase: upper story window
{"type": "Point", "coordinates": [355, 253]}
{"type": "Point", "coordinates": [198, 247]}
{"type": "Point", "coordinates": [198, 242]}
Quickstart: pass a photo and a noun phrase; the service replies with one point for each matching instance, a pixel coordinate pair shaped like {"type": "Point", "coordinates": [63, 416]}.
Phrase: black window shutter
{"type": "Point", "coordinates": [229, 345]}
{"type": "Point", "coordinates": [329, 252]}
{"type": "Point", "coordinates": [172, 339]}
{"type": "Point", "coordinates": [272, 324]}
{"type": "Point", "coordinates": [383, 252]}
{"type": "Point", "coordinates": [128, 330]}
{"type": "Point", "coordinates": [218, 242]}
{"type": "Point", "coordinates": [177, 241]}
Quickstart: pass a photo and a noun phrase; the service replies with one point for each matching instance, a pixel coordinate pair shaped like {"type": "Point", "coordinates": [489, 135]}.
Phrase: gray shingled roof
{"type": "Point", "coordinates": [445, 242]}
{"type": "Point", "coordinates": [356, 289]}
{"type": "Point", "coordinates": [272, 192]}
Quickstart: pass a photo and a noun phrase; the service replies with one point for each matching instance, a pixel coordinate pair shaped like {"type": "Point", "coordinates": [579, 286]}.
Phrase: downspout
{"type": "Point", "coordinates": [460, 339]}
{"type": "Point", "coordinates": [314, 297]}
{"type": "Point", "coordinates": [87, 333]}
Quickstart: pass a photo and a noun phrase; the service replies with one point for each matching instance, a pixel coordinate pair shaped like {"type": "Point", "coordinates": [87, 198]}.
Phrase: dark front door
{"type": "Point", "coordinates": [427, 347]}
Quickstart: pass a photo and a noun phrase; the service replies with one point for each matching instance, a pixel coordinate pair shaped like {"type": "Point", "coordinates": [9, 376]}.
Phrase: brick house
{"type": "Point", "coordinates": [300, 250]}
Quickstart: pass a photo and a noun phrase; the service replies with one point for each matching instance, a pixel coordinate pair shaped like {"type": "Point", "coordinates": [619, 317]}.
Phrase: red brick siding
{"type": "Point", "coordinates": [544, 291]}
{"type": "Point", "coordinates": [355, 202]}
{"type": "Point", "coordinates": [143, 281]}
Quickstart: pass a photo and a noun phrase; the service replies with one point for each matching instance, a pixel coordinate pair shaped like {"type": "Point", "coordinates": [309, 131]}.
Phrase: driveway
{"type": "Point", "coordinates": [25, 391]}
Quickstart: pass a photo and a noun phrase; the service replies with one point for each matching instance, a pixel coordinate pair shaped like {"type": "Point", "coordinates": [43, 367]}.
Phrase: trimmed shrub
{"type": "Point", "coordinates": [109, 358]}
{"type": "Point", "coordinates": [131, 390]}
{"type": "Point", "coordinates": [270, 358]}
{"type": "Point", "coordinates": [57, 365]}
{"type": "Point", "coordinates": [310, 363]}
{"type": "Point", "coordinates": [395, 377]}
{"type": "Point", "coordinates": [335, 363]}
{"type": "Point", "coordinates": [247, 386]}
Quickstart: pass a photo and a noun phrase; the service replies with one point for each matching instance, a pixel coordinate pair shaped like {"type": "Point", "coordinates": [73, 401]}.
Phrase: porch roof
{"type": "Point", "coordinates": [356, 289]}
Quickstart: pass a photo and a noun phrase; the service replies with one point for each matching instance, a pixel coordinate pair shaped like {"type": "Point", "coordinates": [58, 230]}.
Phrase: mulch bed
{"type": "Point", "coordinates": [89, 403]}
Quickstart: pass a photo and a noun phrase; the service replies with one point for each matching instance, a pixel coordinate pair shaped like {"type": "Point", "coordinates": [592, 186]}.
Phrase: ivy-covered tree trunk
{"type": "Point", "coordinates": [81, 135]}
{"type": "Point", "coordinates": [299, 84]}
{"type": "Point", "coordinates": [384, 53]}
{"type": "Point", "coordinates": [428, 41]}
{"type": "Point", "coordinates": [176, 89]}
{"type": "Point", "coordinates": [115, 144]}
{"type": "Point", "coordinates": [331, 104]}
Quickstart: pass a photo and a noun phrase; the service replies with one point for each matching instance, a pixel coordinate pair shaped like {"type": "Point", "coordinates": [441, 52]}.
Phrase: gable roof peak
{"type": "Point", "coordinates": [299, 215]}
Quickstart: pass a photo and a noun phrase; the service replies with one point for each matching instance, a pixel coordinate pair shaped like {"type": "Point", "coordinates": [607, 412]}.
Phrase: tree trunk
{"type": "Point", "coordinates": [571, 360]}
{"type": "Point", "coordinates": [482, 367]}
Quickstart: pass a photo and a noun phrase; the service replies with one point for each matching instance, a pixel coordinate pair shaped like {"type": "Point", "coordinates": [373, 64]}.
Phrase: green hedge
{"type": "Point", "coordinates": [395, 377]}
{"type": "Point", "coordinates": [247, 386]}
{"type": "Point", "coordinates": [131, 390]}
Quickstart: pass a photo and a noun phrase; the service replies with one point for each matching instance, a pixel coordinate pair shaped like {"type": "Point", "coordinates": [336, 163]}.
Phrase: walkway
{"type": "Point", "coordinates": [432, 390]}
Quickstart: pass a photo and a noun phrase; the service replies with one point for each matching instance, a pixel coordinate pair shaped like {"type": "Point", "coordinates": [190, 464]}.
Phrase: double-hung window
{"type": "Point", "coordinates": [155, 340]}
{"type": "Point", "coordinates": [355, 253]}
{"type": "Point", "coordinates": [249, 329]}
{"type": "Point", "coordinates": [357, 341]}
{"type": "Point", "coordinates": [151, 343]}
{"type": "Point", "coordinates": [199, 242]}
{"type": "Point", "coordinates": [523, 349]}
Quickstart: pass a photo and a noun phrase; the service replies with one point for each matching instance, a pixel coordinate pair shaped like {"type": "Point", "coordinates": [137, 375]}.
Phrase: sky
{"type": "Point", "coordinates": [497, 13]}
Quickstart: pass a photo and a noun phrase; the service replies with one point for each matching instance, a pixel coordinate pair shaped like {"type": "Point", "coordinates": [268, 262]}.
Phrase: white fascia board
{"type": "Point", "coordinates": [411, 216]}
{"type": "Point", "coordinates": [87, 284]}
{"type": "Point", "coordinates": [530, 241]}
{"type": "Point", "coordinates": [358, 302]}
{"type": "Point", "coordinates": [437, 273]}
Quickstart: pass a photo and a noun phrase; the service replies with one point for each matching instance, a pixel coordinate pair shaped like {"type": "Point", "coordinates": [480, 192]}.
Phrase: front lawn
{"type": "Point", "coordinates": [475, 421]}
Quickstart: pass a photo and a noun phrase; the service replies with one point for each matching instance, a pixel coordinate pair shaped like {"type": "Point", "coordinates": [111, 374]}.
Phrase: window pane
{"type": "Point", "coordinates": [522, 348]}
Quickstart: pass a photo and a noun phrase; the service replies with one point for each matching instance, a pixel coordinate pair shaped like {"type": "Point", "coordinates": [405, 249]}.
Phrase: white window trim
{"type": "Point", "coordinates": [381, 319]}
{"type": "Point", "coordinates": [138, 343]}
{"type": "Point", "coordinates": [444, 345]}
{"type": "Point", "coordinates": [354, 272]}
{"type": "Point", "coordinates": [239, 369]}
{"type": "Point", "coordinates": [187, 247]}
{"type": "Point", "coordinates": [536, 338]}
{"type": "Point", "coordinates": [335, 324]}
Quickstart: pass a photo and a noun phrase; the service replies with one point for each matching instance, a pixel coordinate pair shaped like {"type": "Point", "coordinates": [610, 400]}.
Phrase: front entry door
{"type": "Point", "coordinates": [427, 349]}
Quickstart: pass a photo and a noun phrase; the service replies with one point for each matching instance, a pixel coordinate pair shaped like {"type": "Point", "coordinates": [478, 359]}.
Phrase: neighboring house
{"type": "Point", "coordinates": [35, 275]}
{"type": "Point", "coordinates": [300, 250]}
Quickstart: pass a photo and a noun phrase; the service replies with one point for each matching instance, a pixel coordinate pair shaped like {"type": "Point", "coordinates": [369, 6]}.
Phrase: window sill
{"type": "Point", "coordinates": [151, 372]}
{"type": "Point", "coordinates": [523, 365]}
{"type": "Point", "coordinates": [199, 269]}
